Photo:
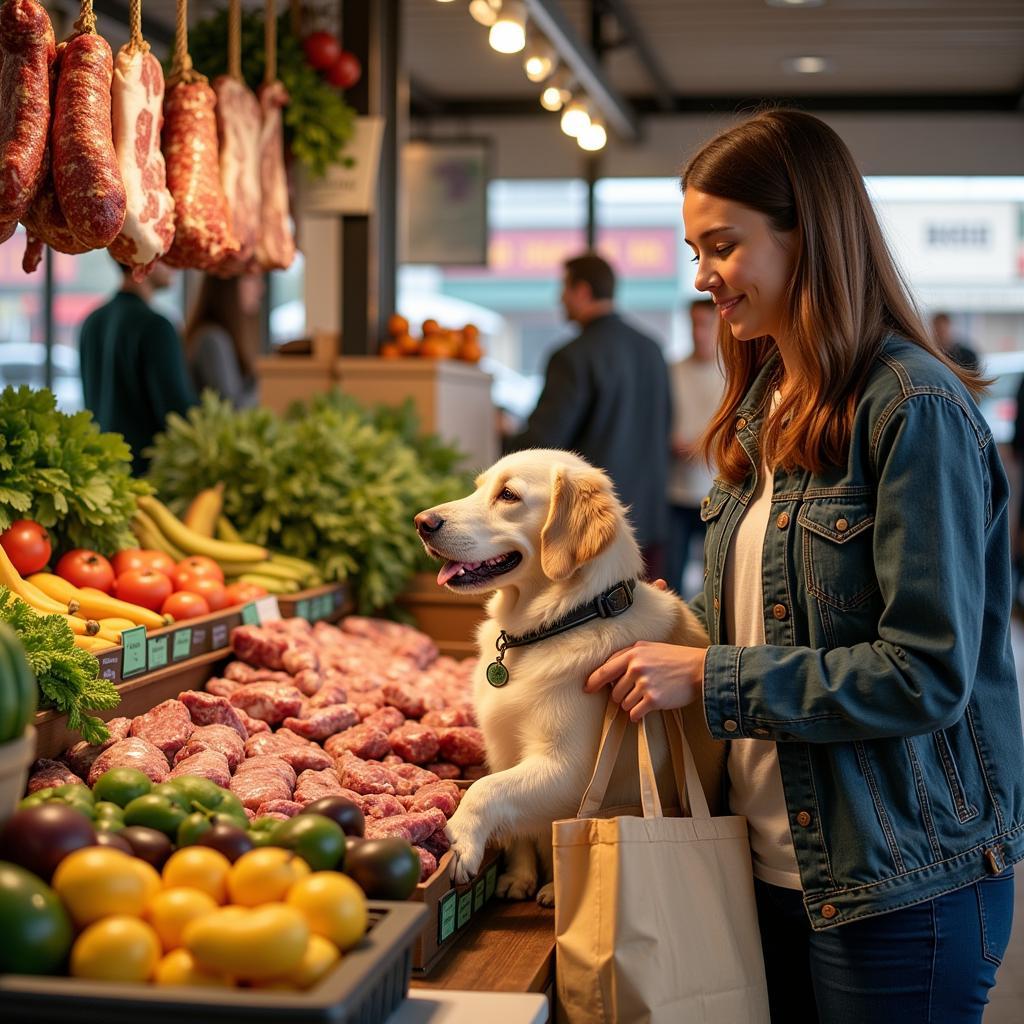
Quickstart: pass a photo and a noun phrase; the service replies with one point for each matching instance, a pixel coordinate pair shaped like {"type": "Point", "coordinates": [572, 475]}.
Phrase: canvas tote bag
{"type": "Point", "coordinates": [655, 920]}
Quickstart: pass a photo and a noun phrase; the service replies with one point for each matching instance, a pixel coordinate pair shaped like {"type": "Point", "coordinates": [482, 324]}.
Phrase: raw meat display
{"type": "Point", "coordinates": [365, 741]}
{"type": "Point", "coordinates": [394, 637]}
{"type": "Point", "coordinates": [240, 672]}
{"type": "Point", "coordinates": [312, 785]}
{"type": "Point", "coordinates": [259, 646]}
{"type": "Point", "coordinates": [252, 725]}
{"type": "Point", "coordinates": [210, 764]}
{"type": "Point", "coordinates": [417, 744]}
{"type": "Point", "coordinates": [408, 700]}
{"type": "Point", "coordinates": [167, 726]}
{"type": "Point", "coordinates": [386, 718]}
{"type": "Point", "coordinates": [275, 249]}
{"type": "Point", "coordinates": [282, 808]}
{"type": "Point", "coordinates": [261, 779]}
{"type": "Point", "coordinates": [85, 171]}
{"type": "Point", "coordinates": [27, 50]}
{"type": "Point", "coordinates": [446, 718]}
{"type": "Point", "coordinates": [428, 862]}
{"type": "Point", "coordinates": [137, 98]}
{"type": "Point", "coordinates": [133, 752]}
{"type": "Point", "coordinates": [443, 795]}
{"type": "Point", "coordinates": [445, 770]}
{"type": "Point", "coordinates": [79, 758]}
{"type": "Point", "coordinates": [222, 687]}
{"type": "Point", "coordinates": [362, 777]}
{"type": "Point", "coordinates": [269, 702]}
{"type": "Point", "coordinates": [202, 233]}
{"type": "Point", "coordinates": [221, 738]}
{"type": "Point", "coordinates": [45, 772]}
{"type": "Point", "coordinates": [297, 752]}
{"type": "Point", "coordinates": [207, 709]}
{"type": "Point", "coordinates": [462, 745]}
{"type": "Point", "coordinates": [321, 723]}
{"type": "Point", "coordinates": [379, 805]}
{"type": "Point", "coordinates": [413, 828]}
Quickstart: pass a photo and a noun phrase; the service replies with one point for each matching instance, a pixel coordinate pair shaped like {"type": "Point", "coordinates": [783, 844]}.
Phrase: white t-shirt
{"type": "Point", "coordinates": [697, 387]}
{"type": "Point", "coordinates": [755, 780]}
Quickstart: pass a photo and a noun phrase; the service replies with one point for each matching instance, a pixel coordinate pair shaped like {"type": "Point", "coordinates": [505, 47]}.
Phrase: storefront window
{"type": "Point", "coordinates": [22, 330]}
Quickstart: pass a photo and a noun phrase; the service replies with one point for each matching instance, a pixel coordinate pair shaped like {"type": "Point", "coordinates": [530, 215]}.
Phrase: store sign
{"type": "Point", "coordinates": [352, 189]}
{"type": "Point", "coordinates": [937, 243]}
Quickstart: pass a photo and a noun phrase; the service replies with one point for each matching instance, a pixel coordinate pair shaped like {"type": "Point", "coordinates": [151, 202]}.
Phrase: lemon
{"type": "Point", "coordinates": [198, 867]}
{"type": "Point", "coordinates": [98, 881]}
{"type": "Point", "coordinates": [320, 956]}
{"type": "Point", "coordinates": [171, 909]}
{"type": "Point", "coordinates": [179, 968]}
{"type": "Point", "coordinates": [333, 905]}
{"type": "Point", "coordinates": [264, 875]}
{"type": "Point", "coordinates": [118, 948]}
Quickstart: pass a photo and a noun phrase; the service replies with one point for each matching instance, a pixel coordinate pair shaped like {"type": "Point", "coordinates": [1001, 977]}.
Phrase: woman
{"type": "Point", "coordinates": [222, 337]}
{"type": "Point", "coordinates": [857, 599]}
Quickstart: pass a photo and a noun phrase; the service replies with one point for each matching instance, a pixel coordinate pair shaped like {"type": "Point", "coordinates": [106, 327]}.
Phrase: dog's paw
{"type": "Point", "coordinates": [546, 895]}
{"type": "Point", "coordinates": [467, 854]}
{"type": "Point", "coordinates": [513, 886]}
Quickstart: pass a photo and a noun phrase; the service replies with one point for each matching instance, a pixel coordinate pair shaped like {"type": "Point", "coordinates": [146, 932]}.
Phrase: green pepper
{"type": "Point", "coordinates": [207, 796]}
{"type": "Point", "coordinates": [192, 829]}
{"type": "Point", "coordinates": [261, 831]}
{"type": "Point", "coordinates": [156, 810]}
{"type": "Point", "coordinates": [170, 791]}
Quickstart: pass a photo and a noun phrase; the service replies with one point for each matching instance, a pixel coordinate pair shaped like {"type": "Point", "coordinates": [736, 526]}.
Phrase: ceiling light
{"type": "Point", "coordinates": [557, 92]}
{"type": "Point", "coordinates": [575, 118]}
{"type": "Point", "coordinates": [807, 65]}
{"type": "Point", "coordinates": [508, 33]}
{"type": "Point", "coordinates": [593, 137]}
{"type": "Point", "coordinates": [484, 12]}
{"type": "Point", "coordinates": [539, 60]}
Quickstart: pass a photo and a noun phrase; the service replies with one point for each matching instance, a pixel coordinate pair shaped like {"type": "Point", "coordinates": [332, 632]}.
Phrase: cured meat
{"type": "Point", "coordinates": [202, 233]}
{"type": "Point", "coordinates": [45, 773]}
{"type": "Point", "coordinates": [275, 249]}
{"type": "Point", "coordinates": [85, 173]}
{"type": "Point", "coordinates": [320, 723]}
{"type": "Point", "coordinates": [167, 726]}
{"type": "Point", "coordinates": [208, 764]}
{"type": "Point", "coordinates": [269, 702]}
{"type": "Point", "coordinates": [221, 738]}
{"type": "Point", "coordinates": [238, 133]}
{"type": "Point", "coordinates": [27, 51]}
{"type": "Point", "coordinates": [208, 709]}
{"type": "Point", "coordinates": [137, 97]}
{"type": "Point", "coordinates": [133, 752]}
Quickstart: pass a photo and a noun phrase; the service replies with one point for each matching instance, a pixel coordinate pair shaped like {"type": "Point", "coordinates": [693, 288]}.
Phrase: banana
{"type": "Point", "coordinates": [309, 572]}
{"type": "Point", "coordinates": [43, 603]}
{"type": "Point", "coordinates": [149, 536]}
{"type": "Point", "coordinates": [81, 627]}
{"type": "Point", "coordinates": [95, 604]}
{"type": "Point", "coordinates": [226, 531]}
{"type": "Point", "coordinates": [117, 625]}
{"type": "Point", "coordinates": [195, 544]}
{"type": "Point", "coordinates": [94, 644]}
{"type": "Point", "coordinates": [267, 567]}
{"type": "Point", "coordinates": [204, 509]}
{"type": "Point", "coordinates": [271, 584]}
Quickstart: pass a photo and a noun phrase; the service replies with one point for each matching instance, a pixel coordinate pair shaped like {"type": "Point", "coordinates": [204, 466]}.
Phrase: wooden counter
{"type": "Point", "coordinates": [509, 947]}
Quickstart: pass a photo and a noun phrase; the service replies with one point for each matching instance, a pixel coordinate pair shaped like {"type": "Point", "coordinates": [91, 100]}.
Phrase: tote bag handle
{"type": "Point", "coordinates": [690, 791]}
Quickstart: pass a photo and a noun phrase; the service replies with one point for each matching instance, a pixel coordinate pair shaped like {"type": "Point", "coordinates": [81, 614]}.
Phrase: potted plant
{"type": "Point", "coordinates": [18, 699]}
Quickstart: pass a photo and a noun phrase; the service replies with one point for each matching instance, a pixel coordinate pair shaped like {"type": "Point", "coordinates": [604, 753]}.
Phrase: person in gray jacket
{"type": "Point", "coordinates": [606, 396]}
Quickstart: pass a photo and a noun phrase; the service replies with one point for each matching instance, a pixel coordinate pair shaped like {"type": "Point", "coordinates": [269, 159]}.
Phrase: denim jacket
{"type": "Point", "coordinates": [887, 678]}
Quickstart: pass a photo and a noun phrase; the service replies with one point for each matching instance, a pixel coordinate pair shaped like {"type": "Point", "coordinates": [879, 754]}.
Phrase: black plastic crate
{"type": "Point", "coordinates": [365, 988]}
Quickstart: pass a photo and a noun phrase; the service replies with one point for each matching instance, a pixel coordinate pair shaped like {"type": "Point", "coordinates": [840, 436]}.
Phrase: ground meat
{"type": "Point", "coordinates": [240, 672]}
{"type": "Point", "coordinates": [208, 764]}
{"type": "Point", "coordinates": [386, 718]}
{"type": "Point", "coordinates": [284, 808]}
{"type": "Point", "coordinates": [300, 659]}
{"type": "Point", "coordinates": [444, 796]}
{"type": "Point", "coordinates": [312, 785]}
{"type": "Point", "coordinates": [320, 723]}
{"type": "Point", "coordinates": [413, 828]}
{"type": "Point", "coordinates": [405, 698]}
{"type": "Point", "coordinates": [462, 745]}
{"type": "Point", "coordinates": [45, 773]}
{"type": "Point", "coordinates": [258, 646]}
{"type": "Point", "coordinates": [253, 726]}
{"type": "Point", "coordinates": [269, 702]}
{"type": "Point", "coordinates": [300, 754]}
{"type": "Point", "coordinates": [222, 687]}
{"type": "Point", "coordinates": [415, 775]}
{"type": "Point", "coordinates": [79, 758]}
{"type": "Point", "coordinates": [261, 779]}
{"type": "Point", "coordinates": [309, 681]}
{"type": "Point", "coordinates": [437, 843]}
{"type": "Point", "coordinates": [364, 741]}
{"type": "Point", "coordinates": [446, 719]}
{"type": "Point", "coordinates": [445, 770]}
{"type": "Point", "coordinates": [428, 863]}
{"type": "Point", "coordinates": [133, 752]}
{"type": "Point", "coordinates": [418, 744]}
{"type": "Point", "coordinates": [332, 692]}
{"type": "Point", "coordinates": [208, 709]}
{"type": "Point", "coordinates": [361, 777]}
{"type": "Point", "coordinates": [167, 726]}
{"type": "Point", "coordinates": [221, 738]}
{"type": "Point", "coordinates": [367, 708]}
{"type": "Point", "coordinates": [380, 805]}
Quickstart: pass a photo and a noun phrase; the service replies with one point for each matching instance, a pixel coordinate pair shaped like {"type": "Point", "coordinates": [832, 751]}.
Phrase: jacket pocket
{"type": "Point", "coordinates": [838, 558]}
{"type": "Point", "coordinates": [965, 810]}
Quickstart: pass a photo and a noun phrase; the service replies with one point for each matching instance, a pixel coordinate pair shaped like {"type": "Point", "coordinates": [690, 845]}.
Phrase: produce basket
{"type": "Point", "coordinates": [365, 988]}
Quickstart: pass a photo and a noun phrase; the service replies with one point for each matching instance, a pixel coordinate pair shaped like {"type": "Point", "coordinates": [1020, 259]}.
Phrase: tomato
{"type": "Point", "coordinates": [212, 591]}
{"type": "Point", "coordinates": [142, 558]}
{"type": "Point", "coordinates": [82, 568]}
{"type": "Point", "coordinates": [170, 910]}
{"type": "Point", "coordinates": [333, 906]}
{"type": "Point", "coordinates": [117, 949]}
{"type": "Point", "coordinates": [27, 545]}
{"type": "Point", "coordinates": [321, 49]}
{"type": "Point", "coordinates": [100, 881]}
{"type": "Point", "coordinates": [184, 605]}
{"type": "Point", "coordinates": [345, 71]}
{"type": "Point", "coordinates": [243, 593]}
{"type": "Point", "coordinates": [34, 924]}
{"type": "Point", "coordinates": [145, 587]}
{"type": "Point", "coordinates": [197, 567]}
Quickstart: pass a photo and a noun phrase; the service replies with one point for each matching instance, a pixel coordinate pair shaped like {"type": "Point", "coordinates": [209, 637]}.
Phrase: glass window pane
{"type": "Point", "coordinates": [22, 331]}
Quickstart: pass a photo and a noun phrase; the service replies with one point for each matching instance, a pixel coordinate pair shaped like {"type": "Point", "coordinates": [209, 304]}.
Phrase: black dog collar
{"type": "Point", "coordinates": [614, 601]}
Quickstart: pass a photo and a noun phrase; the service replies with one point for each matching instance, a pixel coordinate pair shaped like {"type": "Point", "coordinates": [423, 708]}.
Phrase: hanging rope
{"type": "Point", "coordinates": [86, 24]}
{"type": "Point", "coordinates": [181, 66]}
{"type": "Point", "coordinates": [235, 39]}
{"type": "Point", "coordinates": [270, 41]}
{"type": "Point", "coordinates": [136, 43]}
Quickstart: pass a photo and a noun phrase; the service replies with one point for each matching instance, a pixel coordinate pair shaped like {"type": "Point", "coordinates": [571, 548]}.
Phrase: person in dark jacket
{"type": "Point", "coordinates": [133, 365]}
{"type": "Point", "coordinates": [606, 397]}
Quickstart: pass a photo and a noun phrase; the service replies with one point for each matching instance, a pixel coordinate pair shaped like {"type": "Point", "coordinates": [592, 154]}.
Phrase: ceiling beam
{"type": "Point", "coordinates": [549, 17]}
{"type": "Point", "coordinates": [637, 38]}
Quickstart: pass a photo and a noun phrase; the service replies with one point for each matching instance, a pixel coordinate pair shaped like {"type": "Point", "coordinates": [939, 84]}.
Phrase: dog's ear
{"type": "Point", "coordinates": [582, 520]}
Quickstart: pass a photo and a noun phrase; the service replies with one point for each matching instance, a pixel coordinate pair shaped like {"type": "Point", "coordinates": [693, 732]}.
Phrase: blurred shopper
{"type": "Point", "coordinates": [697, 385]}
{"type": "Point", "coordinates": [222, 337]}
{"type": "Point", "coordinates": [857, 598]}
{"type": "Point", "coordinates": [132, 364]}
{"type": "Point", "coordinates": [606, 396]}
{"type": "Point", "coordinates": [957, 350]}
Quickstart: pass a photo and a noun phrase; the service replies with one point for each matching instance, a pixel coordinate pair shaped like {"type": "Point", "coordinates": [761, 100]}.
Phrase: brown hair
{"type": "Point", "coordinates": [593, 270]}
{"type": "Point", "coordinates": [219, 303]}
{"type": "Point", "coordinates": [846, 294]}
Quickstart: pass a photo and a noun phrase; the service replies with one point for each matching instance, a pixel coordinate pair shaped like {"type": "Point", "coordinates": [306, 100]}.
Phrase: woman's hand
{"type": "Point", "coordinates": [651, 677]}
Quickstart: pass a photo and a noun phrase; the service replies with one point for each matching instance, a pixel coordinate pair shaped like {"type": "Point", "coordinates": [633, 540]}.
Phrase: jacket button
{"type": "Point", "coordinates": [842, 525]}
{"type": "Point", "coordinates": [803, 819]}
{"type": "Point", "coordinates": [780, 611]}
{"type": "Point", "coordinates": [729, 725]}
{"type": "Point", "coordinates": [828, 911]}
{"type": "Point", "coordinates": [783, 521]}
{"type": "Point", "coordinates": [741, 423]}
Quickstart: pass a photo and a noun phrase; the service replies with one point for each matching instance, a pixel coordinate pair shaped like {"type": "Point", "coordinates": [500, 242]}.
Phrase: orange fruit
{"type": "Point", "coordinates": [397, 324]}
{"type": "Point", "coordinates": [430, 327]}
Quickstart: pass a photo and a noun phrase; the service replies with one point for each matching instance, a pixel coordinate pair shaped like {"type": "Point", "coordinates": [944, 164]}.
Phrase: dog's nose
{"type": "Point", "coordinates": [428, 523]}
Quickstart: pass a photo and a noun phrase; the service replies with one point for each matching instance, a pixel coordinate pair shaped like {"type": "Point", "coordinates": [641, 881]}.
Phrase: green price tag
{"type": "Point", "coordinates": [478, 895]}
{"type": "Point", "coordinates": [134, 641]}
{"type": "Point", "coordinates": [325, 607]}
{"type": "Point", "coordinates": [157, 652]}
{"type": "Point", "coordinates": [491, 881]}
{"type": "Point", "coordinates": [302, 609]}
{"type": "Point", "coordinates": [446, 916]}
{"type": "Point", "coordinates": [181, 646]}
{"type": "Point", "coordinates": [250, 614]}
{"type": "Point", "coordinates": [465, 909]}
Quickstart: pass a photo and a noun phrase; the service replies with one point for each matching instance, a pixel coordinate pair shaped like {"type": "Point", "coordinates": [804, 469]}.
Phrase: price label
{"type": "Point", "coordinates": [200, 639]}
{"type": "Point", "coordinates": [465, 910]}
{"type": "Point", "coordinates": [250, 614]}
{"type": "Point", "coordinates": [181, 645]}
{"type": "Point", "coordinates": [110, 664]}
{"type": "Point", "coordinates": [134, 661]}
{"type": "Point", "coordinates": [268, 609]}
{"type": "Point", "coordinates": [323, 606]}
{"type": "Point", "coordinates": [491, 880]}
{"type": "Point", "coordinates": [478, 895]}
{"type": "Point", "coordinates": [303, 610]}
{"type": "Point", "coordinates": [156, 653]}
{"type": "Point", "coordinates": [446, 916]}
{"type": "Point", "coordinates": [219, 636]}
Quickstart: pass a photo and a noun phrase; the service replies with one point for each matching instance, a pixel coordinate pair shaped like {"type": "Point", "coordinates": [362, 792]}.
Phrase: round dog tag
{"type": "Point", "coordinates": [497, 674]}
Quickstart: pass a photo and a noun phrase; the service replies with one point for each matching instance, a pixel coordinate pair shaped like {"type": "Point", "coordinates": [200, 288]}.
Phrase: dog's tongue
{"type": "Point", "coordinates": [448, 570]}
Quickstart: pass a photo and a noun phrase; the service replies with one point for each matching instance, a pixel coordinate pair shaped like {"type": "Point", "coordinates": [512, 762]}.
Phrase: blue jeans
{"type": "Point", "coordinates": [932, 963]}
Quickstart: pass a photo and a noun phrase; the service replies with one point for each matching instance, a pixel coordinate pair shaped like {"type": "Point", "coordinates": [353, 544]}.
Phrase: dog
{"type": "Point", "coordinates": [545, 531]}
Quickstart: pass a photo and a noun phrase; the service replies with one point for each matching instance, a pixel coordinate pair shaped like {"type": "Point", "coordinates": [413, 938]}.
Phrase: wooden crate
{"type": "Point", "coordinates": [449, 619]}
{"type": "Point", "coordinates": [327, 603]}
